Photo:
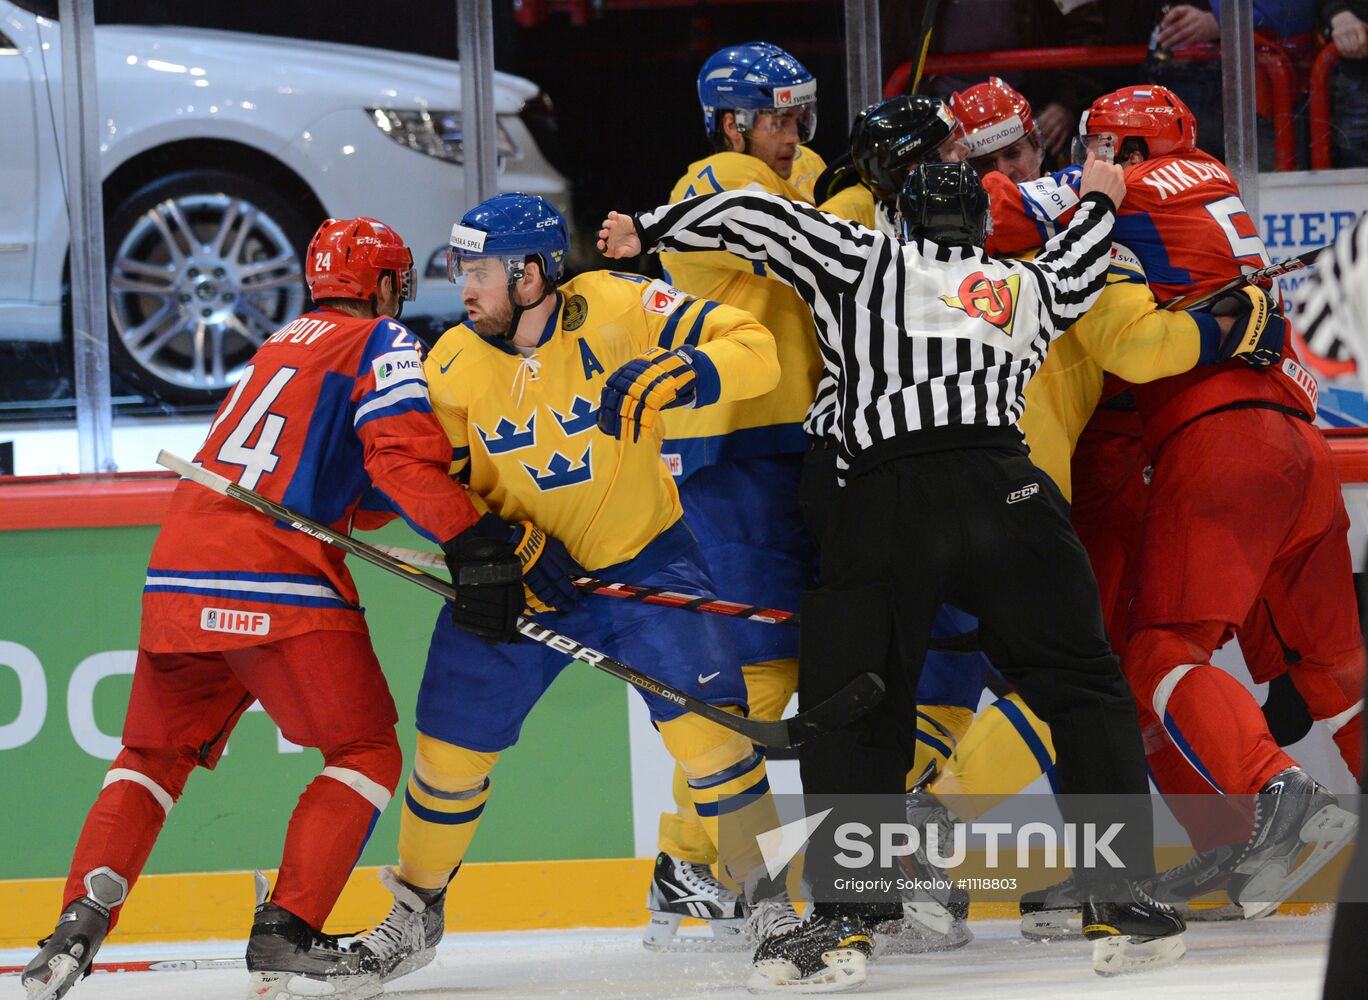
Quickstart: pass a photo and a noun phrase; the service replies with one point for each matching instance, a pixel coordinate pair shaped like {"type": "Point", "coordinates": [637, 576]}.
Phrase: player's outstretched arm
{"type": "Point", "coordinates": [731, 357]}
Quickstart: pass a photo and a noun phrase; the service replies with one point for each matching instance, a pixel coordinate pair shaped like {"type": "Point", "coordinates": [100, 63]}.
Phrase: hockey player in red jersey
{"type": "Point", "coordinates": [238, 608]}
{"type": "Point", "coordinates": [1245, 528]}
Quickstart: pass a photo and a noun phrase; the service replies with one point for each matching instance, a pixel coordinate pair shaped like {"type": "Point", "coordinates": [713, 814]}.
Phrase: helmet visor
{"type": "Point", "coordinates": [802, 120]}
{"type": "Point", "coordinates": [481, 271]}
{"type": "Point", "coordinates": [1101, 144]}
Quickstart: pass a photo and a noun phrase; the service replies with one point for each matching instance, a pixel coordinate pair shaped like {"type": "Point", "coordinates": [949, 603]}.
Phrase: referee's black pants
{"type": "Point", "coordinates": [985, 530]}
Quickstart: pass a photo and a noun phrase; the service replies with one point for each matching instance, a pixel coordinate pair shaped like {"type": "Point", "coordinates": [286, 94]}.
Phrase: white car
{"type": "Point", "coordinates": [221, 153]}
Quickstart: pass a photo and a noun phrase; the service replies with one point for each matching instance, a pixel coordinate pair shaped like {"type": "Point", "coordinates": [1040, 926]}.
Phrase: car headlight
{"type": "Point", "coordinates": [435, 133]}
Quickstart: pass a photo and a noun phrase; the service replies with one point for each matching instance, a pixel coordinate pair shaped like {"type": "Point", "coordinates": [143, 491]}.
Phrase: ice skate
{"type": "Point", "coordinates": [826, 953]}
{"type": "Point", "coordinates": [289, 960]}
{"type": "Point", "coordinates": [1205, 874]}
{"type": "Point", "coordinates": [935, 910]}
{"type": "Point", "coordinates": [65, 954]}
{"type": "Point", "coordinates": [682, 889]}
{"type": "Point", "coordinates": [1291, 813]}
{"type": "Point", "coordinates": [1052, 913]}
{"type": "Point", "coordinates": [1130, 930]}
{"type": "Point", "coordinates": [407, 939]}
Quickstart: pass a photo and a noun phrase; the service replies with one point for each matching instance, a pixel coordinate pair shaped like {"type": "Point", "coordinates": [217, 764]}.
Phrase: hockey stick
{"type": "Point", "coordinates": [965, 642]}
{"type": "Point", "coordinates": [848, 704]}
{"type": "Point", "coordinates": [162, 965]}
{"type": "Point", "coordinates": [631, 592]}
{"type": "Point", "coordinates": [1302, 260]}
{"type": "Point", "coordinates": [923, 48]}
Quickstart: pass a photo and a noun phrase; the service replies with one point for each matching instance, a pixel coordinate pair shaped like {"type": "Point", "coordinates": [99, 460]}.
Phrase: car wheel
{"type": "Point", "coordinates": [204, 265]}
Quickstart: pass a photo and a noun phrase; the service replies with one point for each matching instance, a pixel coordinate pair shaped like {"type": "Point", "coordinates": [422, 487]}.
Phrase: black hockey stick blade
{"type": "Point", "coordinates": [843, 707]}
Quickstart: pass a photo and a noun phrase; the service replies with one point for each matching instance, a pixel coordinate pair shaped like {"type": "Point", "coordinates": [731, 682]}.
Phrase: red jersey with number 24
{"type": "Point", "coordinates": [1183, 218]}
{"type": "Point", "coordinates": [331, 409]}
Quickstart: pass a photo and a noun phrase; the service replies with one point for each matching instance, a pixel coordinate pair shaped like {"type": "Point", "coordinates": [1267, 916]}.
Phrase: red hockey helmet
{"type": "Point", "coordinates": [991, 116]}
{"type": "Point", "coordinates": [347, 256]}
{"type": "Point", "coordinates": [1150, 113]}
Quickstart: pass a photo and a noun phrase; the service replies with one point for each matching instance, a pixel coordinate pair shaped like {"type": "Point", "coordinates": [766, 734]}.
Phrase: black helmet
{"type": "Point", "coordinates": [894, 135]}
{"type": "Point", "coordinates": [944, 203]}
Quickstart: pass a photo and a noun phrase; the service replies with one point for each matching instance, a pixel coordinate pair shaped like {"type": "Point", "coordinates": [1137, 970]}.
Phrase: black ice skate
{"type": "Point", "coordinates": [682, 889]}
{"type": "Point", "coordinates": [1204, 873]}
{"type": "Point", "coordinates": [407, 939]}
{"type": "Point", "coordinates": [935, 909]}
{"type": "Point", "coordinates": [285, 955]}
{"type": "Point", "coordinates": [1291, 812]}
{"type": "Point", "coordinates": [65, 954]}
{"type": "Point", "coordinates": [826, 953]}
{"type": "Point", "coordinates": [1052, 913]}
{"type": "Point", "coordinates": [1130, 929]}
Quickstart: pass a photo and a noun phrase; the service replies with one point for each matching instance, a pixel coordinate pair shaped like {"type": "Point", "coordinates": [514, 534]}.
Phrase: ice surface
{"type": "Point", "coordinates": [1282, 958]}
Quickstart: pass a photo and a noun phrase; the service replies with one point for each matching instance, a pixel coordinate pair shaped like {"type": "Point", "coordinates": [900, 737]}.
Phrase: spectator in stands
{"type": "Point", "coordinates": [1346, 22]}
{"type": "Point", "coordinates": [1289, 22]}
{"type": "Point", "coordinates": [978, 26]}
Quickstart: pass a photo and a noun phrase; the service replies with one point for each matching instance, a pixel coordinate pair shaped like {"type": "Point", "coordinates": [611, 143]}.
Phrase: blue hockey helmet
{"type": "Point", "coordinates": [753, 77]}
{"type": "Point", "coordinates": [511, 227]}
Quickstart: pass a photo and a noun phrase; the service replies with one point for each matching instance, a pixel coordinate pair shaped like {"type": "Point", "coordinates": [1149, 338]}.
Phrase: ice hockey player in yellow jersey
{"type": "Point", "coordinates": [551, 395]}
{"type": "Point", "coordinates": [738, 464]}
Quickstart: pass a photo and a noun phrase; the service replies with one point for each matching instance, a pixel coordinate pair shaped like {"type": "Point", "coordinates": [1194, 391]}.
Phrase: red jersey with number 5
{"type": "Point", "coordinates": [331, 409]}
{"type": "Point", "coordinates": [1183, 218]}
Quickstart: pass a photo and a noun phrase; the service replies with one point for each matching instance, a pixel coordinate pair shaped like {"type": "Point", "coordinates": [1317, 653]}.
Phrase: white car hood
{"type": "Point", "coordinates": [350, 75]}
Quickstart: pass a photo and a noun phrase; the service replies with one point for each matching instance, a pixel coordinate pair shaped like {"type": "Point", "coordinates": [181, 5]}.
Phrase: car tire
{"type": "Point", "coordinates": [203, 266]}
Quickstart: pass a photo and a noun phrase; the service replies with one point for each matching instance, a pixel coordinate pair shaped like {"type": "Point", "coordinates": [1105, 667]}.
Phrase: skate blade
{"type": "Point", "coordinates": [916, 940]}
{"type": "Point", "coordinates": [413, 963]}
{"type": "Point", "coordinates": [932, 916]}
{"type": "Point", "coordinates": [1217, 913]}
{"type": "Point", "coordinates": [1052, 925]}
{"type": "Point", "coordinates": [62, 973]}
{"type": "Point", "coordinates": [1120, 956]}
{"type": "Point", "coordinates": [662, 934]}
{"type": "Point", "coordinates": [1326, 831]}
{"type": "Point", "coordinates": [289, 986]}
{"type": "Point", "coordinates": [845, 970]}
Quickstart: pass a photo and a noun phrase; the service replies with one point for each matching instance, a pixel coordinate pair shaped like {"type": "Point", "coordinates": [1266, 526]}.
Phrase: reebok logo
{"type": "Point", "coordinates": [778, 846]}
{"type": "Point", "coordinates": [704, 680]}
{"type": "Point", "coordinates": [1025, 493]}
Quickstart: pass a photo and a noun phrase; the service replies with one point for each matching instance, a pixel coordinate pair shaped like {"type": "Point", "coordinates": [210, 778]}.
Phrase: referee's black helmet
{"type": "Point", "coordinates": [944, 203]}
{"type": "Point", "coordinates": [893, 136]}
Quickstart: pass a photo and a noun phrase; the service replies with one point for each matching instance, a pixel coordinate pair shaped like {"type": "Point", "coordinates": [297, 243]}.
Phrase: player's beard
{"type": "Point", "coordinates": [494, 321]}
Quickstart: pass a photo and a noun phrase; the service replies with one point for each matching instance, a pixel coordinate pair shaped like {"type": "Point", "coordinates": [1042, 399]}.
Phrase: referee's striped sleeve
{"type": "Point", "coordinates": [1071, 270]}
{"type": "Point", "coordinates": [1332, 305]}
{"type": "Point", "coordinates": [809, 250]}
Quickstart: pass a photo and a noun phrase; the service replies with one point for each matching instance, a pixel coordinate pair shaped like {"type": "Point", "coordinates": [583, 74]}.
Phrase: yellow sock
{"type": "Point", "coordinates": [447, 791]}
{"type": "Point", "coordinates": [769, 687]}
{"type": "Point", "coordinates": [939, 730]}
{"type": "Point", "coordinates": [1005, 749]}
{"type": "Point", "coordinates": [729, 787]}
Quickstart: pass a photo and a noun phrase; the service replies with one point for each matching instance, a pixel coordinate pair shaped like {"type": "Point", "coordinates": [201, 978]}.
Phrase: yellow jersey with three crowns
{"type": "Point", "coordinates": [523, 427]}
{"type": "Point", "coordinates": [770, 424]}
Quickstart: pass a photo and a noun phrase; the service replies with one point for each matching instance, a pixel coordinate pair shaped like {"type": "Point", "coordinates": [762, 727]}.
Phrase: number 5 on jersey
{"type": "Point", "coordinates": [260, 458]}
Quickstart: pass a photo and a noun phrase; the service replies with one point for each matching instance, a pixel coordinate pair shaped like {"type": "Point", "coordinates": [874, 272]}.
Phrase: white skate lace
{"type": "Point", "coordinates": [699, 878]}
{"type": "Point", "coordinates": [400, 933]}
{"type": "Point", "coordinates": [770, 918]}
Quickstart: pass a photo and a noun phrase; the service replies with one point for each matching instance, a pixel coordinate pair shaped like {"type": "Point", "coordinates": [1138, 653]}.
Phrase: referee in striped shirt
{"type": "Point", "coordinates": [933, 342]}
